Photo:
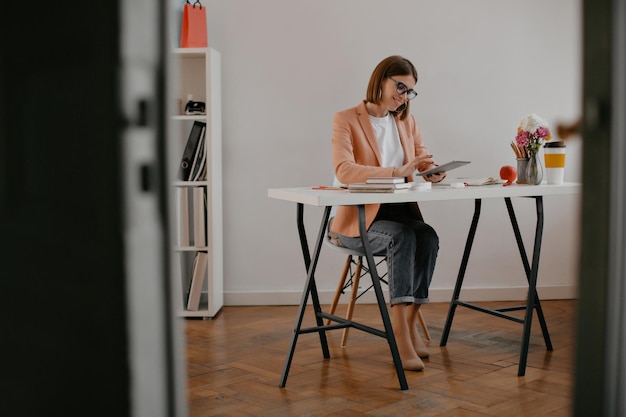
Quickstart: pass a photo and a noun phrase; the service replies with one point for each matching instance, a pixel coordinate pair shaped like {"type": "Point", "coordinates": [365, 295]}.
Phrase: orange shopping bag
{"type": "Point", "coordinates": [193, 28]}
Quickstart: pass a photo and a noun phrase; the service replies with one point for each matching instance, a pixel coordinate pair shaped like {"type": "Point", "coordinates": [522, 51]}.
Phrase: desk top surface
{"type": "Point", "coordinates": [321, 198]}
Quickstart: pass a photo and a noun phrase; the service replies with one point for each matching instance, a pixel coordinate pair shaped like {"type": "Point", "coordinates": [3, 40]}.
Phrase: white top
{"type": "Point", "coordinates": [388, 139]}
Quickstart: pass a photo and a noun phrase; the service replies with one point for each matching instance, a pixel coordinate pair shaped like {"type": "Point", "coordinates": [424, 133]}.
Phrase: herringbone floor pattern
{"type": "Point", "coordinates": [234, 364]}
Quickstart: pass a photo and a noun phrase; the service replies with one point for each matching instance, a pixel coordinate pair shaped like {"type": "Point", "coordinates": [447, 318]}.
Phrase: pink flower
{"type": "Point", "coordinates": [522, 138]}
{"type": "Point", "coordinates": [543, 132]}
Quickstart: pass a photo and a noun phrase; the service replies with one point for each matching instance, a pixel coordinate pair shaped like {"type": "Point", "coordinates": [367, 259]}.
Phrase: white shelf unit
{"type": "Point", "coordinates": [196, 71]}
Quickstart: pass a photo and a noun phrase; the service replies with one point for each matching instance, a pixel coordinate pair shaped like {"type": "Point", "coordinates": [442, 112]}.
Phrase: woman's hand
{"type": "Point", "coordinates": [410, 167]}
{"type": "Point", "coordinates": [438, 177]}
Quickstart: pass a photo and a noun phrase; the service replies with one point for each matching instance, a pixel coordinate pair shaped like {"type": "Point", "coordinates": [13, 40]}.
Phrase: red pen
{"type": "Point", "coordinates": [327, 187]}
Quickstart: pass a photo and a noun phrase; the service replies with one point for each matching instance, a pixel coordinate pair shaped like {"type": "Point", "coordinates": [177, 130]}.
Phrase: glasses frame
{"type": "Point", "coordinates": [402, 88]}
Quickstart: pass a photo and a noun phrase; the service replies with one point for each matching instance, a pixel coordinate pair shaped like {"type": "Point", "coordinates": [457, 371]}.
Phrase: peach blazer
{"type": "Point", "coordinates": [356, 157]}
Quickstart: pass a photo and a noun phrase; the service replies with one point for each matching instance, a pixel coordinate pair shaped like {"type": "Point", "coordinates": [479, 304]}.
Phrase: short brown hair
{"type": "Point", "coordinates": [388, 67]}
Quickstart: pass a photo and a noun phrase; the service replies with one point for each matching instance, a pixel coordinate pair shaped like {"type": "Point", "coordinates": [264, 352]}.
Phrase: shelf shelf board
{"type": "Point", "coordinates": [190, 183]}
{"type": "Point", "coordinates": [189, 117]}
{"type": "Point", "coordinates": [191, 248]}
{"type": "Point", "coordinates": [195, 313]}
{"type": "Point", "coordinates": [191, 52]}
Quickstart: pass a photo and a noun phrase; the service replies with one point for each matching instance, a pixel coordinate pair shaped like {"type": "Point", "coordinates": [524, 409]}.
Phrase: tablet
{"type": "Point", "coordinates": [448, 166]}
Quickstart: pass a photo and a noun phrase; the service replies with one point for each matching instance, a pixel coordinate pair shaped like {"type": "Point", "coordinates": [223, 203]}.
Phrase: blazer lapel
{"type": "Point", "coordinates": [366, 125]}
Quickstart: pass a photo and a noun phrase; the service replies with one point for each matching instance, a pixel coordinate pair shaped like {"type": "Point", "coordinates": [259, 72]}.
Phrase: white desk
{"type": "Point", "coordinates": [322, 198]}
{"type": "Point", "coordinates": [328, 198]}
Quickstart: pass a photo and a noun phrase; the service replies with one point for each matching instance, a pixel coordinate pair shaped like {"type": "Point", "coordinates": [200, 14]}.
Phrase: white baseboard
{"type": "Point", "coordinates": [245, 298]}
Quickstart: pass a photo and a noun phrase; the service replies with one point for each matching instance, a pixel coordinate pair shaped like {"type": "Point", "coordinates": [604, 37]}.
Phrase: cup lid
{"type": "Point", "coordinates": [557, 144]}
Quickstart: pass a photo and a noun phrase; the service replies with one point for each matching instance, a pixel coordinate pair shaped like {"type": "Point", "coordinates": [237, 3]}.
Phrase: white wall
{"type": "Point", "coordinates": [289, 65]}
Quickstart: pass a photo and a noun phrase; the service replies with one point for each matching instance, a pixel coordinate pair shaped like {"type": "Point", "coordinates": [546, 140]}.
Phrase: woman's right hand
{"type": "Point", "coordinates": [410, 167]}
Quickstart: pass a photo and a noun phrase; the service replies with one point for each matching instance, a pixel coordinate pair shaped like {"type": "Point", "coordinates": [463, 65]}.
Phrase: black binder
{"type": "Point", "coordinates": [186, 164]}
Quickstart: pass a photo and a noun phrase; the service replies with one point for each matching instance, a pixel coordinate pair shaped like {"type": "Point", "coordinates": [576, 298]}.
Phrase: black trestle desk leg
{"type": "Point", "coordinates": [527, 269]}
{"type": "Point", "coordinates": [309, 287]}
{"type": "Point", "coordinates": [461, 276]}
{"type": "Point", "coordinates": [312, 285]}
{"type": "Point", "coordinates": [382, 305]}
{"type": "Point", "coordinates": [531, 275]}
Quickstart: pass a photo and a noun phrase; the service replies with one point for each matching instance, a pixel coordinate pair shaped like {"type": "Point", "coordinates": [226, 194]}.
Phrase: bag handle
{"type": "Point", "coordinates": [194, 4]}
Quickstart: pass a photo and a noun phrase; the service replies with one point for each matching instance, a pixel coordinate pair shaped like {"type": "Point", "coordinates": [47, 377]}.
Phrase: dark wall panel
{"type": "Point", "coordinates": [62, 290]}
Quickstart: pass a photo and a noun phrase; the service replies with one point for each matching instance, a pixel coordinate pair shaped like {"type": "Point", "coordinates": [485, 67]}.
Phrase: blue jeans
{"type": "Point", "coordinates": [410, 246]}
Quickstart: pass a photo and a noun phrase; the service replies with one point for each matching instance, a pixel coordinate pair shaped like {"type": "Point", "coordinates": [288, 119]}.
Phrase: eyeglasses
{"type": "Point", "coordinates": [401, 88]}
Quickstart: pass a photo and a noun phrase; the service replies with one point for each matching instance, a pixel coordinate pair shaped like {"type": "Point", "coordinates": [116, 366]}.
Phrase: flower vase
{"type": "Point", "coordinates": [534, 171]}
{"type": "Point", "coordinates": [522, 167]}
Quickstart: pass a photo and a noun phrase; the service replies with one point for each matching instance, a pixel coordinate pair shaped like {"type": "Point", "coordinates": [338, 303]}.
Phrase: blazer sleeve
{"type": "Point", "coordinates": [355, 157]}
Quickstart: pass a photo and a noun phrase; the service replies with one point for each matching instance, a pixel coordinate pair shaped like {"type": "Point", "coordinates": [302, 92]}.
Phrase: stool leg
{"type": "Point", "coordinates": [353, 294]}
{"type": "Point", "coordinates": [423, 324]}
{"type": "Point", "coordinates": [342, 283]}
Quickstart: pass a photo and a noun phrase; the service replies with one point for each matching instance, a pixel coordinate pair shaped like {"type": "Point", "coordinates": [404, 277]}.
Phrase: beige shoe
{"type": "Point", "coordinates": [422, 352]}
{"type": "Point", "coordinates": [413, 365]}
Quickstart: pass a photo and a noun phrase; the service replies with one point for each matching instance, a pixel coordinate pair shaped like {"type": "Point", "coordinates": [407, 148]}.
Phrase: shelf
{"type": "Point", "coordinates": [201, 117]}
{"type": "Point", "coordinates": [191, 248]}
{"type": "Point", "coordinates": [190, 184]}
{"type": "Point", "coordinates": [196, 313]}
{"type": "Point", "coordinates": [191, 52]}
{"type": "Point", "coordinates": [197, 73]}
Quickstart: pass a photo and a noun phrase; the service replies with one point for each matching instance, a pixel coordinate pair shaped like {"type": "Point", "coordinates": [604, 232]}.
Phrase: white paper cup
{"type": "Point", "coordinates": [554, 154]}
{"type": "Point", "coordinates": [422, 186]}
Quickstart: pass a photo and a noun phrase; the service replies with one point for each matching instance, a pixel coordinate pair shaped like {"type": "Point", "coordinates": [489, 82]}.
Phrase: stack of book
{"type": "Point", "coordinates": [381, 185]}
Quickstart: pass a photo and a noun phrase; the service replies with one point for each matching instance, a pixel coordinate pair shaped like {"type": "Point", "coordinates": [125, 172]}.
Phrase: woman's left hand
{"type": "Point", "coordinates": [435, 177]}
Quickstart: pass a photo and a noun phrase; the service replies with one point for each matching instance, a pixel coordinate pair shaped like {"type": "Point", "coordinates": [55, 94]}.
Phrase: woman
{"type": "Point", "coordinates": [380, 138]}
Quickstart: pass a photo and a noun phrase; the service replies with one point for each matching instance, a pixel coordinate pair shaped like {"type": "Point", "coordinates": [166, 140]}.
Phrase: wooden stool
{"type": "Point", "coordinates": [354, 269]}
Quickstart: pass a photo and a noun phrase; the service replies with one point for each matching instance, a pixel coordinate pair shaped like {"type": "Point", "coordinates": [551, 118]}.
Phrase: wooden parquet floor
{"type": "Point", "coordinates": [234, 363]}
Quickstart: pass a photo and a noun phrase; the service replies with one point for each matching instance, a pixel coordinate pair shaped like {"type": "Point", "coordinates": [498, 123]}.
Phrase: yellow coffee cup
{"type": "Point", "coordinates": [554, 154]}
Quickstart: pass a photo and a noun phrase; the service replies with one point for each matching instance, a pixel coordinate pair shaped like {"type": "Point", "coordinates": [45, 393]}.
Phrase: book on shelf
{"type": "Point", "coordinates": [199, 217]}
{"type": "Point", "coordinates": [191, 149]}
{"type": "Point", "coordinates": [364, 187]}
{"type": "Point", "coordinates": [386, 180]}
{"type": "Point", "coordinates": [198, 273]}
{"type": "Point", "coordinates": [183, 216]}
{"type": "Point", "coordinates": [202, 175]}
{"type": "Point", "coordinates": [199, 160]}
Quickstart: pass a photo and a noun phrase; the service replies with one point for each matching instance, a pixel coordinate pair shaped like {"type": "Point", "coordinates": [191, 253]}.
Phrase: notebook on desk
{"type": "Point", "coordinates": [364, 187]}
{"type": "Point", "coordinates": [470, 181]}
